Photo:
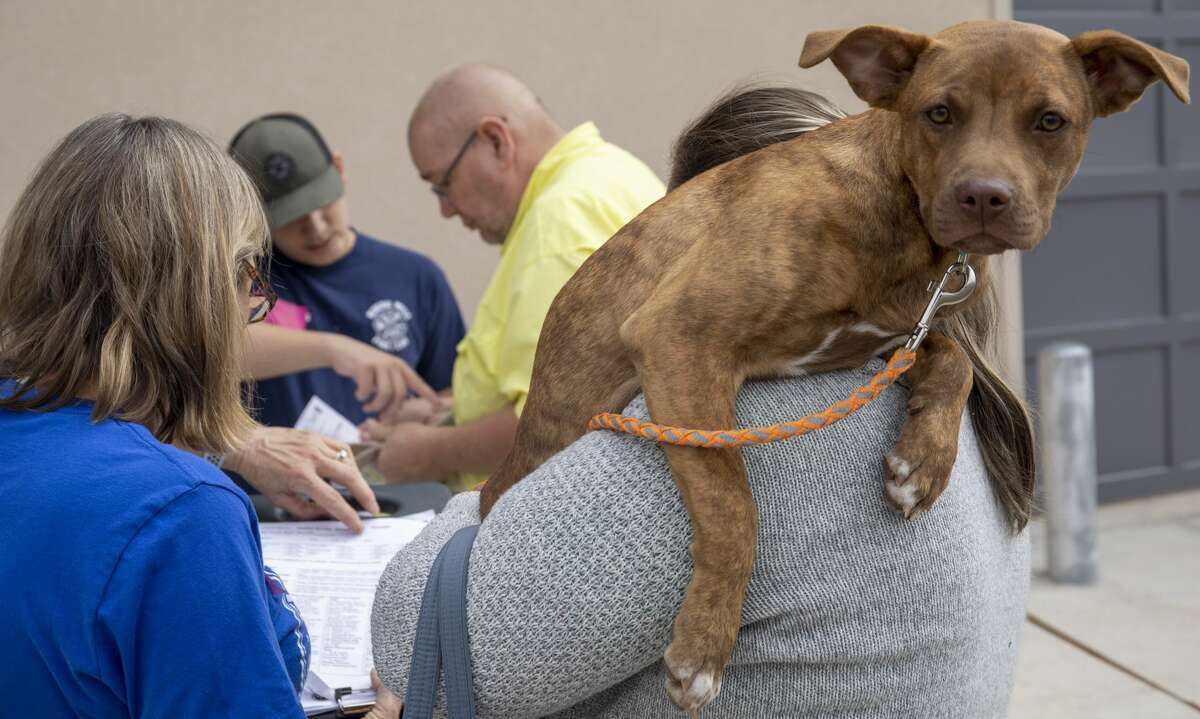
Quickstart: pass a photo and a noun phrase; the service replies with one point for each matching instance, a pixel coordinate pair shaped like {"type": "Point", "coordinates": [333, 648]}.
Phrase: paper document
{"type": "Point", "coordinates": [331, 574]}
{"type": "Point", "coordinates": [319, 417]}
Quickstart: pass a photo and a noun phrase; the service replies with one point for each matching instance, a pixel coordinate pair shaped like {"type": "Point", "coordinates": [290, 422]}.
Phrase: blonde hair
{"type": "Point", "coordinates": [121, 275]}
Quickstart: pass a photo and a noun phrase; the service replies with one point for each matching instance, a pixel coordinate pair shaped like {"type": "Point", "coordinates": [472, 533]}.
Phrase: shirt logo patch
{"type": "Point", "coordinates": [390, 320]}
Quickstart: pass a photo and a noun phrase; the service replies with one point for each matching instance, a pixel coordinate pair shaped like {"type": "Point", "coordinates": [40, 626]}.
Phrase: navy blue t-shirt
{"type": "Point", "coordinates": [132, 581]}
{"type": "Point", "coordinates": [393, 299]}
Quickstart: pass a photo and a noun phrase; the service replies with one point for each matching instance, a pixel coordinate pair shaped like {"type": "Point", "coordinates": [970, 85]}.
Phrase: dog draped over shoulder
{"type": "Point", "coordinates": [814, 254]}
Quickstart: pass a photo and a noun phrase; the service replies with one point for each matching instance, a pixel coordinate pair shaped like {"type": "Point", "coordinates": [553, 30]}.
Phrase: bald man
{"type": "Point", "coordinates": [547, 198]}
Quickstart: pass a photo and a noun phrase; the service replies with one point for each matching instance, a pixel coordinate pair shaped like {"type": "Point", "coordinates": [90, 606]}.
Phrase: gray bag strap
{"type": "Point", "coordinates": [452, 625]}
{"type": "Point", "coordinates": [426, 662]}
{"type": "Point", "coordinates": [441, 637]}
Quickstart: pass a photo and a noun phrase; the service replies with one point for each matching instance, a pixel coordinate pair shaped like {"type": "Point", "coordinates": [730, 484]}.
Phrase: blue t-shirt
{"type": "Point", "coordinates": [132, 580]}
{"type": "Point", "coordinates": [386, 296]}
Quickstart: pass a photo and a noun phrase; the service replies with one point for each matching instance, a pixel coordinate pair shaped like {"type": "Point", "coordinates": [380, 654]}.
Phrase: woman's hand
{"type": "Point", "coordinates": [384, 381]}
{"type": "Point", "coordinates": [290, 466]}
{"type": "Point", "coordinates": [387, 704]}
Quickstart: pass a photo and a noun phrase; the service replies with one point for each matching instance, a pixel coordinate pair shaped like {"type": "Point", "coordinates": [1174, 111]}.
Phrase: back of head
{"type": "Point", "coordinates": [744, 120]}
{"type": "Point", "coordinates": [121, 279]}
{"type": "Point", "coordinates": [457, 98]}
{"type": "Point", "coordinates": [464, 99]}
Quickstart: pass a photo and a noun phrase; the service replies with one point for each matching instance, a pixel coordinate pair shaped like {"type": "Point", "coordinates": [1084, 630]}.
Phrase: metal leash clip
{"type": "Point", "coordinates": [941, 297]}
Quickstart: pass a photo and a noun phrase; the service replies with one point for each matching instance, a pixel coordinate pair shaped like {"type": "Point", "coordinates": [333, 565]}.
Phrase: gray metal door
{"type": "Point", "coordinates": [1120, 270]}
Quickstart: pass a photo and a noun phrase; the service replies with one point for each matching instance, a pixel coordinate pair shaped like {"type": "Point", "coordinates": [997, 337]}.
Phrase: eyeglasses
{"type": "Point", "coordinates": [441, 188]}
{"type": "Point", "coordinates": [262, 292]}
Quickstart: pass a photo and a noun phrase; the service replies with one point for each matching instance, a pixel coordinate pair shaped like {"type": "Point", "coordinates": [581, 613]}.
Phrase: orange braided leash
{"type": "Point", "coordinates": [902, 360]}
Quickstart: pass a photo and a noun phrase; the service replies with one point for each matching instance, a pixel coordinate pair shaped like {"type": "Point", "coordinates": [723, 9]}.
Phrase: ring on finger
{"type": "Point", "coordinates": [342, 455]}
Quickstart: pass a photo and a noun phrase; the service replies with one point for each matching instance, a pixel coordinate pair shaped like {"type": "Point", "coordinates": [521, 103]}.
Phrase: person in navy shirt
{"type": "Point", "coordinates": [386, 299]}
{"type": "Point", "coordinates": [131, 572]}
{"type": "Point", "coordinates": [371, 324]}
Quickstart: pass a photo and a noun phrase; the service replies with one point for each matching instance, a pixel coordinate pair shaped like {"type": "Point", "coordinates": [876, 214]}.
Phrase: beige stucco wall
{"type": "Point", "coordinates": [639, 69]}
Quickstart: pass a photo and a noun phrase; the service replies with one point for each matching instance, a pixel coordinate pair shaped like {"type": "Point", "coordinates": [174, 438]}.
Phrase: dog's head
{"type": "Point", "coordinates": [994, 116]}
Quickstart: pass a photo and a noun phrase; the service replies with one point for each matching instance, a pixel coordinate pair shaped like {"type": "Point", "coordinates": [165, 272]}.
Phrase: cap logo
{"type": "Point", "coordinates": [279, 167]}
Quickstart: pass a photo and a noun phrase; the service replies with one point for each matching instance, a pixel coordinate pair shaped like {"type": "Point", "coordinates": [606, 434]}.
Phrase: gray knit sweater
{"type": "Point", "coordinates": [851, 612]}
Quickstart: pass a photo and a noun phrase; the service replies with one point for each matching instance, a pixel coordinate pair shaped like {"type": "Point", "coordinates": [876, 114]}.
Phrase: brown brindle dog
{"type": "Point", "coordinates": [814, 254]}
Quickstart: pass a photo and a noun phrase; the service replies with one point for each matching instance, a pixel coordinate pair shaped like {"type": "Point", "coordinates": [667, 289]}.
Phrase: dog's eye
{"type": "Point", "coordinates": [1051, 122]}
{"type": "Point", "coordinates": [939, 115]}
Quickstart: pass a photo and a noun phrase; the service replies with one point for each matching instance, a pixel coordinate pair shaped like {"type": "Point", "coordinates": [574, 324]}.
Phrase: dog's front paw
{"type": "Point", "coordinates": [693, 674]}
{"type": "Point", "coordinates": [919, 472]}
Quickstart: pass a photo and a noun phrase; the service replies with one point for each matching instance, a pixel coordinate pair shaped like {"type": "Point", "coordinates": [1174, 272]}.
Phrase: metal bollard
{"type": "Point", "coordinates": [1068, 447]}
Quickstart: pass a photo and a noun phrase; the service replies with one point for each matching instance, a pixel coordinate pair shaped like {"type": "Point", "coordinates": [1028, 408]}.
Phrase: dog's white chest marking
{"type": "Point", "coordinates": [803, 365]}
{"type": "Point", "coordinates": [800, 365]}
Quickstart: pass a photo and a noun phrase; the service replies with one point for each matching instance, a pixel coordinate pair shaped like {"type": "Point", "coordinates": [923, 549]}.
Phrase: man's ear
{"type": "Point", "coordinates": [339, 161]}
{"type": "Point", "coordinates": [875, 59]}
{"type": "Point", "coordinates": [498, 135]}
{"type": "Point", "coordinates": [1119, 69]}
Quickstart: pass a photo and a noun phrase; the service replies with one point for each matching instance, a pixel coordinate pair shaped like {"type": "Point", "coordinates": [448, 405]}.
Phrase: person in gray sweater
{"type": "Point", "coordinates": [579, 571]}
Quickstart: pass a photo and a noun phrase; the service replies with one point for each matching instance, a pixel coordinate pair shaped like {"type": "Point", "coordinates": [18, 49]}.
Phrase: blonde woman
{"type": "Point", "coordinates": [131, 577]}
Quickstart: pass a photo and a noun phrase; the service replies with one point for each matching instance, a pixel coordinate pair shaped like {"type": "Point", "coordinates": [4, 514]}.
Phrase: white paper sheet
{"type": "Point", "coordinates": [331, 574]}
{"type": "Point", "coordinates": [323, 419]}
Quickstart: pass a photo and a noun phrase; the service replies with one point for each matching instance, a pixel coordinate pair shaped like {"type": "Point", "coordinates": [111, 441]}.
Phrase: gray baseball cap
{"type": "Point", "coordinates": [291, 164]}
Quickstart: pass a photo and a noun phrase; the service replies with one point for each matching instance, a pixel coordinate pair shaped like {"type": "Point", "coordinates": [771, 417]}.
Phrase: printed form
{"type": "Point", "coordinates": [331, 574]}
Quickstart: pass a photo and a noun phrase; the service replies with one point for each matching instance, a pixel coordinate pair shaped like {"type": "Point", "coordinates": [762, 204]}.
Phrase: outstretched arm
{"type": "Point", "coordinates": [384, 381]}
{"type": "Point", "coordinates": [416, 452]}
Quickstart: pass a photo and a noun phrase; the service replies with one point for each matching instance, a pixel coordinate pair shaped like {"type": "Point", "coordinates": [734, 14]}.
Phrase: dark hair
{"type": "Point", "coordinates": [744, 120]}
{"type": "Point", "coordinates": [750, 118]}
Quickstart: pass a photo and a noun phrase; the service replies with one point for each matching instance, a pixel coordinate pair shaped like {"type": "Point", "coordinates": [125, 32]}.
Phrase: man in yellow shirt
{"type": "Point", "coordinates": [548, 198]}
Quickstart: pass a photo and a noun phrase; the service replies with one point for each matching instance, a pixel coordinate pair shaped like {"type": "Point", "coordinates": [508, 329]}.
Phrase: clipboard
{"type": "Point", "coordinates": [328, 703]}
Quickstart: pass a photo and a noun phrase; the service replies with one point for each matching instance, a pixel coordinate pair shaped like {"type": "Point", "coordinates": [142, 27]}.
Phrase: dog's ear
{"type": "Point", "coordinates": [875, 59]}
{"type": "Point", "coordinates": [1120, 68]}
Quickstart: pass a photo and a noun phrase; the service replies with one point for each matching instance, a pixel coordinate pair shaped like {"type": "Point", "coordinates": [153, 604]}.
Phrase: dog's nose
{"type": "Point", "coordinates": [984, 198]}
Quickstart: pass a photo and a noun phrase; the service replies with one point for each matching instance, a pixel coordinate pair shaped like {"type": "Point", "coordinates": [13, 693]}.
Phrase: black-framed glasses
{"type": "Point", "coordinates": [441, 188]}
{"type": "Point", "coordinates": [261, 292]}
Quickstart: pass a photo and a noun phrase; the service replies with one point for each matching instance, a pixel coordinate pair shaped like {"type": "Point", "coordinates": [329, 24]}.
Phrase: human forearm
{"type": "Point", "coordinates": [476, 447]}
{"type": "Point", "coordinates": [276, 351]}
{"type": "Point", "coordinates": [384, 381]}
{"type": "Point", "coordinates": [419, 452]}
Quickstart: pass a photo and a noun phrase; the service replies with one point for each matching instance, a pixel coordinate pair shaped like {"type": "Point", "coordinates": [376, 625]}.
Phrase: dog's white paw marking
{"type": "Point", "coordinates": [690, 689]}
{"type": "Point", "coordinates": [900, 467]}
{"type": "Point", "coordinates": [904, 496]}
